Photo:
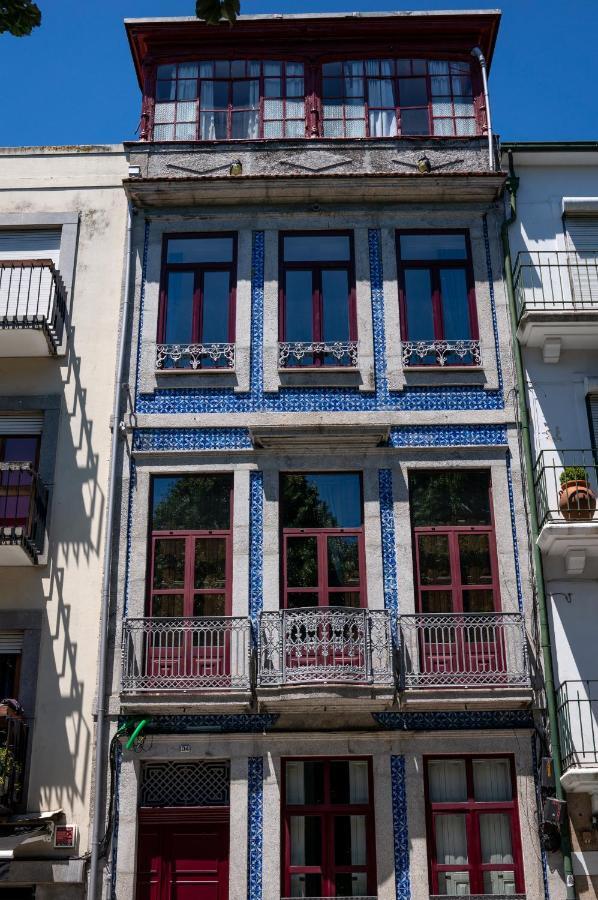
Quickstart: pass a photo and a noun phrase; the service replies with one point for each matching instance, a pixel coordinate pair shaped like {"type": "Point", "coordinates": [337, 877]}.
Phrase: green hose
{"type": "Point", "coordinates": [138, 729]}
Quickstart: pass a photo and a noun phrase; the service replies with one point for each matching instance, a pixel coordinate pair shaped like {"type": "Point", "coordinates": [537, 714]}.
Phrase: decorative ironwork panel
{"type": "Point", "coordinates": [191, 356]}
{"type": "Point", "coordinates": [415, 353]}
{"type": "Point", "coordinates": [325, 645]}
{"type": "Point", "coordinates": [463, 650]}
{"type": "Point", "coordinates": [199, 783]}
{"type": "Point", "coordinates": [344, 352]}
{"type": "Point", "coordinates": [399, 827]}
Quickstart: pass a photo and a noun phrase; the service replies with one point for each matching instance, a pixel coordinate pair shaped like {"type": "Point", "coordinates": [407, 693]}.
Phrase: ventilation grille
{"type": "Point", "coordinates": [185, 784]}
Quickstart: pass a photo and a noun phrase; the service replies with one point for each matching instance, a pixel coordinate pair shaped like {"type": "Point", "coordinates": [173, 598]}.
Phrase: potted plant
{"type": "Point", "coordinates": [577, 501]}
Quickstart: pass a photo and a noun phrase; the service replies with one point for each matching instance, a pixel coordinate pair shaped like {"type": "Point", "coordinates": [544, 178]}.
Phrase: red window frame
{"type": "Point", "coordinates": [16, 487]}
{"type": "Point", "coordinates": [472, 809]}
{"type": "Point", "coordinates": [198, 269]}
{"type": "Point", "coordinates": [434, 266]}
{"type": "Point", "coordinates": [316, 267]}
{"type": "Point", "coordinates": [321, 535]}
{"type": "Point", "coordinates": [327, 811]}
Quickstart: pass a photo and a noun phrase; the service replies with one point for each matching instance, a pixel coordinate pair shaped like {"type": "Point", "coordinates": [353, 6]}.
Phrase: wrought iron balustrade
{"type": "Point", "coordinates": [577, 715]}
{"type": "Point", "coordinates": [186, 654]}
{"type": "Point", "coordinates": [482, 896]}
{"type": "Point", "coordinates": [566, 486]}
{"type": "Point", "coordinates": [555, 281]}
{"type": "Point", "coordinates": [303, 354]}
{"type": "Point", "coordinates": [463, 650]}
{"type": "Point", "coordinates": [194, 356]}
{"type": "Point", "coordinates": [441, 353]}
{"type": "Point", "coordinates": [13, 755]}
{"type": "Point", "coordinates": [325, 645]}
{"type": "Point", "coordinates": [23, 507]}
{"type": "Point", "coordinates": [33, 295]}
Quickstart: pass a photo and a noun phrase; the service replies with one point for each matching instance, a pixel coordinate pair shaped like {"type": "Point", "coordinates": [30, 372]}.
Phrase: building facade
{"type": "Point", "coordinates": [553, 244]}
{"type": "Point", "coordinates": [324, 661]}
{"type": "Point", "coordinates": [62, 226]}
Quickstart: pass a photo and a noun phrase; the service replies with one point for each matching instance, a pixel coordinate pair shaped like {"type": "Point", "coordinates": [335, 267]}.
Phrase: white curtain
{"type": "Point", "coordinates": [208, 123]}
{"type": "Point", "coordinates": [492, 780]}
{"type": "Point", "coordinates": [297, 840]}
{"type": "Point", "coordinates": [447, 780]}
{"type": "Point", "coordinates": [451, 839]}
{"type": "Point", "coordinates": [495, 838]}
{"type": "Point", "coordinates": [295, 782]}
{"type": "Point", "coordinates": [383, 122]}
{"type": "Point", "coordinates": [358, 781]}
{"type": "Point", "coordinates": [358, 848]}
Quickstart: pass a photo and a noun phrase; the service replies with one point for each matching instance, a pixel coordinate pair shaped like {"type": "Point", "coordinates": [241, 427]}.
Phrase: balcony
{"type": "Point", "coordinates": [566, 484]}
{"type": "Point", "coordinates": [177, 358]}
{"type": "Point", "coordinates": [318, 355]}
{"type": "Point", "coordinates": [556, 294]}
{"type": "Point", "coordinates": [577, 712]}
{"type": "Point", "coordinates": [32, 308]}
{"type": "Point", "coordinates": [325, 648]}
{"type": "Point", "coordinates": [463, 651]}
{"type": "Point", "coordinates": [13, 755]}
{"type": "Point", "coordinates": [441, 354]}
{"type": "Point", "coordinates": [23, 512]}
{"type": "Point", "coordinates": [193, 656]}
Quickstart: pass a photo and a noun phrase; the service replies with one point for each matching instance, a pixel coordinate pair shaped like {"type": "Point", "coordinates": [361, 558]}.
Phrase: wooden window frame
{"type": "Point", "coordinates": [472, 809]}
{"type": "Point", "coordinates": [327, 811]}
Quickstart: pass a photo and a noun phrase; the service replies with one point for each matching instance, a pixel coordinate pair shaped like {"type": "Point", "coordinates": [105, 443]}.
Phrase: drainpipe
{"type": "Point", "coordinates": [524, 429]}
{"type": "Point", "coordinates": [482, 61]}
{"type": "Point", "coordinates": [98, 818]}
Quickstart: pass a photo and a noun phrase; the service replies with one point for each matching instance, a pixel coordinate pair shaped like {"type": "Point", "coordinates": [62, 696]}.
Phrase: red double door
{"type": "Point", "coordinates": [179, 858]}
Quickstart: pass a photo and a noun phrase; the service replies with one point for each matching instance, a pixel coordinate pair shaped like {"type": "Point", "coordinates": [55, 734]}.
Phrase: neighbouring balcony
{"type": "Point", "coordinates": [33, 308]}
{"type": "Point", "coordinates": [317, 354]}
{"type": "Point", "coordinates": [463, 650]}
{"type": "Point", "coordinates": [577, 712]}
{"type": "Point", "coordinates": [192, 655]}
{"type": "Point", "coordinates": [556, 294]}
{"type": "Point", "coordinates": [13, 754]}
{"type": "Point", "coordinates": [325, 646]}
{"type": "Point", "coordinates": [443, 354]}
{"type": "Point", "coordinates": [566, 485]}
{"type": "Point", "coordinates": [23, 512]}
{"type": "Point", "coordinates": [193, 357]}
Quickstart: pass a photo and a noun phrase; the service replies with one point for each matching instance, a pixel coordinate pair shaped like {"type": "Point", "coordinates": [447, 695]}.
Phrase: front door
{"type": "Point", "coordinates": [187, 861]}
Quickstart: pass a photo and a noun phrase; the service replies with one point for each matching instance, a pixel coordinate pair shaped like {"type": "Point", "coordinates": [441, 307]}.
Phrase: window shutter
{"type": "Point", "coordinates": [11, 642]}
{"type": "Point", "coordinates": [582, 243]}
{"type": "Point", "coordinates": [593, 418]}
{"type": "Point", "coordinates": [582, 234]}
{"type": "Point", "coordinates": [34, 244]}
{"type": "Point", "coordinates": [31, 423]}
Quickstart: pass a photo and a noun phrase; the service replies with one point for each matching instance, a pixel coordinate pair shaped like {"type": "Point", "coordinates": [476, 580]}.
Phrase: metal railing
{"type": "Point", "coordinates": [577, 712]}
{"type": "Point", "coordinates": [566, 485]}
{"type": "Point", "coordinates": [194, 356]}
{"type": "Point", "coordinates": [463, 650]}
{"type": "Point", "coordinates": [23, 507]}
{"type": "Point", "coordinates": [33, 295]}
{"type": "Point", "coordinates": [186, 654]}
{"type": "Point", "coordinates": [325, 645]}
{"type": "Point", "coordinates": [13, 755]}
{"type": "Point", "coordinates": [297, 354]}
{"type": "Point", "coordinates": [555, 281]}
{"type": "Point", "coordinates": [441, 353]}
{"type": "Point", "coordinates": [482, 896]}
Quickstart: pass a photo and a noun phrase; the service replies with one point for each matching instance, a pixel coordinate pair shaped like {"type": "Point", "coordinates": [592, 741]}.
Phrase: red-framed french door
{"type": "Point", "coordinates": [16, 507]}
{"type": "Point", "coordinates": [182, 854]}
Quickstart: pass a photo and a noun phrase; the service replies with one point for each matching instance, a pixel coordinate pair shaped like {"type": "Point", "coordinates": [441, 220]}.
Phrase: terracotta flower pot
{"type": "Point", "coordinates": [577, 501]}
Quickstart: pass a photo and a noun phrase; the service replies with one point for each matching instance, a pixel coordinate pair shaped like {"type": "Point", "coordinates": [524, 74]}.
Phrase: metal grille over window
{"type": "Point", "coordinates": [185, 784]}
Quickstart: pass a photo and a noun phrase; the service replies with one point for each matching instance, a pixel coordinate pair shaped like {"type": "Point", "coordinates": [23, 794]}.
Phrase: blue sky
{"type": "Point", "coordinates": [72, 81]}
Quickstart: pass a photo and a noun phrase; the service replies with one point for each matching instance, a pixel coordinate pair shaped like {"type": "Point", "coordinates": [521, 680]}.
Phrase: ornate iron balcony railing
{"type": "Point", "coordinates": [441, 353]}
{"type": "Point", "coordinates": [556, 281]}
{"type": "Point", "coordinates": [463, 650]}
{"type": "Point", "coordinates": [195, 356]}
{"type": "Point", "coordinates": [303, 354]}
{"type": "Point", "coordinates": [13, 755]}
{"type": "Point", "coordinates": [186, 654]}
{"type": "Point", "coordinates": [566, 486]}
{"type": "Point", "coordinates": [325, 645]}
{"type": "Point", "coordinates": [33, 295]}
{"type": "Point", "coordinates": [577, 714]}
{"type": "Point", "coordinates": [23, 507]}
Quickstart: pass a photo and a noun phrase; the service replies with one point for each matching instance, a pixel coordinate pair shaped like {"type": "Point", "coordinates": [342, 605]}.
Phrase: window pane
{"type": "Point", "coordinates": [317, 247]}
{"type": "Point", "coordinates": [415, 121]}
{"type": "Point", "coordinates": [335, 303]}
{"type": "Point", "coordinates": [167, 71]}
{"type": "Point", "coordinates": [208, 605]}
{"type": "Point", "coordinates": [478, 602]}
{"type": "Point", "coordinates": [191, 502]}
{"type": "Point", "coordinates": [437, 602]}
{"type": "Point", "coordinates": [451, 839]}
{"type": "Point", "coordinates": [187, 89]}
{"type": "Point", "coordinates": [351, 884]}
{"type": "Point", "coordinates": [165, 90]}
{"type": "Point", "coordinates": [453, 884]}
{"type": "Point", "coordinates": [344, 598]}
{"type": "Point", "coordinates": [210, 563]}
{"type": "Point", "coordinates": [350, 841]}
{"type": "Point", "coordinates": [301, 599]}
{"type": "Point", "coordinates": [245, 125]}
{"type": "Point", "coordinates": [164, 112]}
{"type": "Point", "coordinates": [302, 562]}
{"type": "Point", "coordinates": [495, 838]}
{"type": "Point", "coordinates": [169, 564]}
{"type": "Point", "coordinates": [455, 307]}
{"type": "Point", "coordinates": [413, 92]}
{"type": "Point", "coordinates": [200, 250]}
{"type": "Point", "coordinates": [305, 782]}
{"type": "Point", "coordinates": [306, 840]}
{"type": "Point", "coordinates": [18, 449]}
{"type": "Point", "coordinates": [327, 500]}
{"type": "Point", "coordinates": [343, 561]}
{"type": "Point", "coordinates": [447, 780]}
{"type": "Point", "coordinates": [450, 498]}
{"type": "Point", "coordinates": [433, 246]}
{"type": "Point", "coordinates": [383, 123]}
{"type": "Point", "coordinates": [298, 306]}
{"type": "Point", "coordinates": [474, 555]}
{"type": "Point", "coordinates": [308, 885]}
{"type": "Point", "coordinates": [216, 304]}
{"type": "Point", "coordinates": [418, 303]}
{"type": "Point", "coordinates": [213, 126]}
{"type": "Point", "coordinates": [348, 781]}
{"type": "Point", "coordinates": [502, 883]}
{"type": "Point", "coordinates": [246, 94]}
{"type": "Point", "coordinates": [167, 606]}
{"type": "Point", "coordinates": [434, 560]}
{"type": "Point", "coordinates": [492, 780]}
{"type": "Point", "coordinates": [214, 94]}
